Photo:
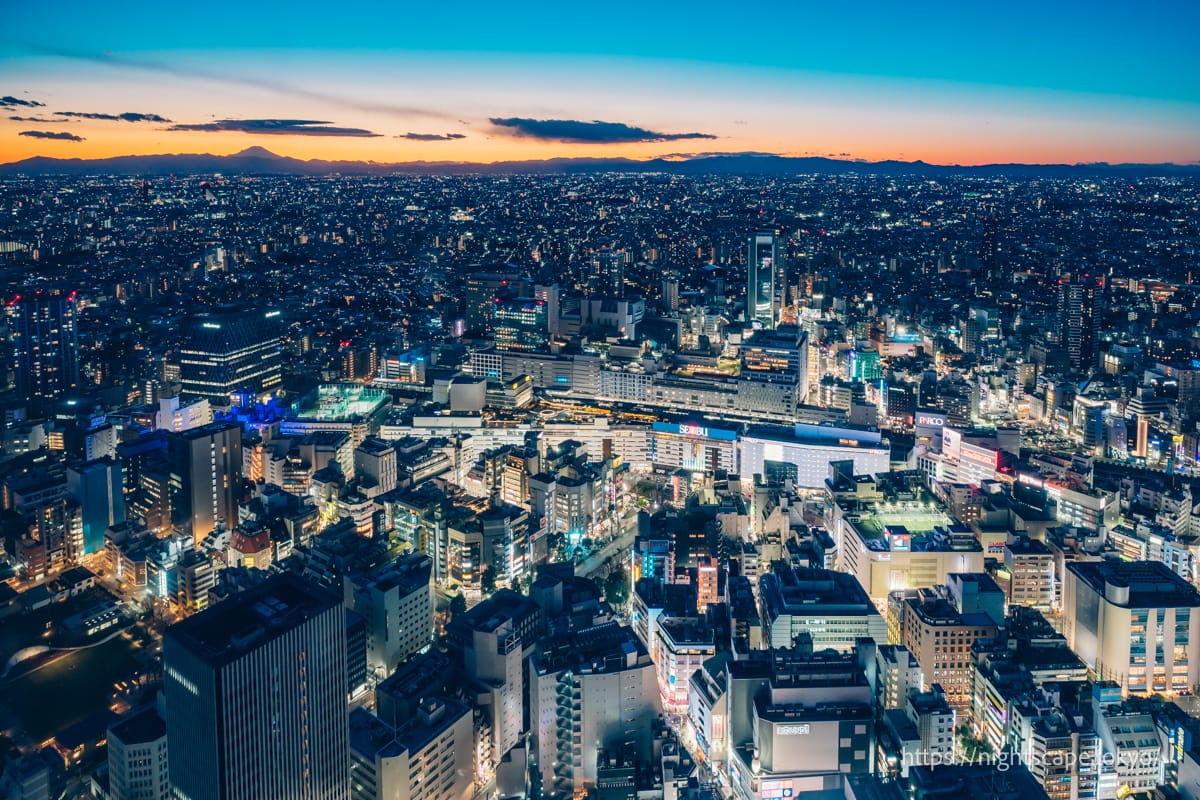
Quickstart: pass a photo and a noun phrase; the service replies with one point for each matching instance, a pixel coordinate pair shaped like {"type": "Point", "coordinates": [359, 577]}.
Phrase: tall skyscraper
{"type": "Point", "coordinates": [225, 353]}
{"type": "Point", "coordinates": [256, 696]}
{"type": "Point", "coordinates": [670, 293]}
{"type": "Point", "coordinates": [990, 245]}
{"type": "Point", "coordinates": [1079, 301]}
{"type": "Point", "coordinates": [608, 274]}
{"type": "Point", "coordinates": [205, 476]}
{"type": "Point", "coordinates": [45, 344]}
{"type": "Point", "coordinates": [97, 487]}
{"type": "Point", "coordinates": [760, 278]}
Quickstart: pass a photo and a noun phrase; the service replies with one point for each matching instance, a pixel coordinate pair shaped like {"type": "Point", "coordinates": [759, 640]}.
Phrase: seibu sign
{"type": "Point", "coordinates": [792, 730]}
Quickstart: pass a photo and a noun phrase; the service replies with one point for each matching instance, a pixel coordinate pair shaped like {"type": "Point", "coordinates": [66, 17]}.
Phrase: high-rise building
{"type": "Point", "coordinates": [761, 258]}
{"type": "Point", "coordinates": [709, 583]}
{"type": "Point", "coordinates": [137, 758]}
{"type": "Point", "coordinates": [797, 718]}
{"type": "Point", "coordinates": [53, 538]}
{"type": "Point", "coordinates": [97, 487]}
{"type": "Point", "coordinates": [1135, 623]}
{"type": "Point", "coordinates": [397, 602]}
{"type": "Point", "coordinates": [45, 344]}
{"type": "Point", "coordinates": [550, 295]}
{"type": "Point", "coordinates": [419, 518]}
{"type": "Point", "coordinates": [779, 356]}
{"type": "Point", "coordinates": [684, 643]}
{"type": "Point", "coordinates": [358, 363]}
{"type": "Point", "coordinates": [707, 709]}
{"type": "Point", "coordinates": [1032, 566]}
{"type": "Point", "coordinates": [923, 728]}
{"type": "Point", "coordinates": [589, 691]}
{"type": "Point", "coordinates": [989, 246]}
{"type": "Point", "coordinates": [175, 416]}
{"type": "Point", "coordinates": [255, 691]}
{"type": "Point", "coordinates": [221, 354]}
{"type": "Point", "coordinates": [205, 476]}
{"type": "Point", "coordinates": [1129, 741]}
{"type": "Point", "coordinates": [1061, 751]}
{"type": "Point", "coordinates": [980, 325]}
{"type": "Point", "coordinates": [899, 675]}
{"type": "Point", "coordinates": [480, 293]}
{"type": "Point", "coordinates": [356, 653]}
{"type": "Point", "coordinates": [670, 293]}
{"type": "Point", "coordinates": [375, 460]}
{"type": "Point", "coordinates": [520, 324]}
{"type": "Point", "coordinates": [1079, 300]}
{"type": "Point", "coordinates": [607, 278]}
{"type": "Point", "coordinates": [495, 638]}
{"type": "Point", "coordinates": [940, 635]}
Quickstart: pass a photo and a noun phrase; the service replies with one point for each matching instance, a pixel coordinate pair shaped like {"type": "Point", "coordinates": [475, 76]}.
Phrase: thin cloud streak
{"type": "Point", "coordinates": [276, 127]}
{"type": "Point", "coordinates": [278, 87]}
{"type": "Point", "coordinates": [8, 101]}
{"type": "Point", "coordinates": [62, 136]}
{"type": "Point", "coordinates": [722, 154]}
{"type": "Point", "coordinates": [128, 116]}
{"type": "Point", "coordinates": [586, 132]}
{"type": "Point", "coordinates": [431, 137]}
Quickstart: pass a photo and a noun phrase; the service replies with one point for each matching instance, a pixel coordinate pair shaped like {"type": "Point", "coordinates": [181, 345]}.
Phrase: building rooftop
{"type": "Point", "coordinates": [687, 630]}
{"type": "Point", "coordinates": [806, 591]}
{"type": "Point", "coordinates": [408, 573]}
{"type": "Point", "coordinates": [983, 581]}
{"type": "Point", "coordinates": [416, 675]}
{"type": "Point", "coordinates": [341, 403]}
{"type": "Point", "coordinates": [207, 430]}
{"type": "Point", "coordinates": [372, 736]}
{"type": "Point", "coordinates": [894, 654]}
{"type": "Point", "coordinates": [139, 727]}
{"type": "Point", "coordinates": [376, 447]}
{"type": "Point", "coordinates": [325, 438]}
{"type": "Point", "coordinates": [609, 647]}
{"type": "Point", "coordinates": [504, 607]}
{"type": "Point", "coordinates": [940, 611]}
{"type": "Point", "coordinates": [260, 614]}
{"type": "Point", "coordinates": [974, 782]}
{"type": "Point", "coordinates": [1028, 547]}
{"type": "Point", "coordinates": [1136, 584]}
{"type": "Point", "coordinates": [821, 436]}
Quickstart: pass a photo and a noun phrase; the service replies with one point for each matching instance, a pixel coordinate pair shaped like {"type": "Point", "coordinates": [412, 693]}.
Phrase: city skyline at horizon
{"type": "Point", "coordinates": [1072, 84]}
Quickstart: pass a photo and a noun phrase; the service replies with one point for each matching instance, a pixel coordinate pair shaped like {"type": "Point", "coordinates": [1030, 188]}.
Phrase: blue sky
{"type": "Point", "coordinates": [1041, 72]}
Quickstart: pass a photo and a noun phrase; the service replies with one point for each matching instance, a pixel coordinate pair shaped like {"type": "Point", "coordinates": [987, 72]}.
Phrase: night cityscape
{"type": "Point", "coordinates": [592, 417]}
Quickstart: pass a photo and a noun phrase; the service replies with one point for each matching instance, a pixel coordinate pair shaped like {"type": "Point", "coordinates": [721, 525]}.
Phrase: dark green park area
{"type": "Point", "coordinates": [68, 690]}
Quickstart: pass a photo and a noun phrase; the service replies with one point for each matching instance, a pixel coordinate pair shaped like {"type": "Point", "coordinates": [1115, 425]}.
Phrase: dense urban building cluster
{"type": "Point", "coordinates": [616, 486]}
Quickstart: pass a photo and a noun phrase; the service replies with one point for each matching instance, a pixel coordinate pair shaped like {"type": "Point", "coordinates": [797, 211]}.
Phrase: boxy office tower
{"type": "Point", "coordinates": [256, 696]}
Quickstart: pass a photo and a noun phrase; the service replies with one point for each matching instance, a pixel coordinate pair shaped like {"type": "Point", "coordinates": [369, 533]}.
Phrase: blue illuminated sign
{"type": "Point", "coordinates": [695, 431]}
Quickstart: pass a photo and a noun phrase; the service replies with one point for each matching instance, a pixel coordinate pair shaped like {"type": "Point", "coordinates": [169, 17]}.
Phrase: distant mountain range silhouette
{"type": "Point", "coordinates": [260, 161]}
